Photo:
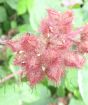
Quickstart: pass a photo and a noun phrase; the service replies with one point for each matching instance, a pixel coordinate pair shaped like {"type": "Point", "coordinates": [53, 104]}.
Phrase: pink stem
{"type": "Point", "coordinates": [11, 76]}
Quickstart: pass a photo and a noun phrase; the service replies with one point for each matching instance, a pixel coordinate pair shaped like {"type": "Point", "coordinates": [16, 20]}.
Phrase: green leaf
{"type": "Point", "coordinates": [1, 1]}
{"type": "Point", "coordinates": [76, 6]}
{"type": "Point", "coordinates": [12, 3]}
{"type": "Point", "coordinates": [71, 79]}
{"type": "Point", "coordinates": [13, 24]}
{"type": "Point", "coordinates": [6, 26]}
{"type": "Point", "coordinates": [85, 10]}
{"type": "Point", "coordinates": [61, 91]}
{"type": "Point", "coordinates": [77, 94]}
{"type": "Point", "coordinates": [72, 3]}
{"type": "Point", "coordinates": [76, 102]}
{"type": "Point", "coordinates": [14, 94]}
{"type": "Point", "coordinates": [2, 72]}
{"type": "Point", "coordinates": [22, 7]}
{"type": "Point", "coordinates": [3, 14]}
{"type": "Point", "coordinates": [61, 88]}
{"type": "Point", "coordinates": [40, 92]}
{"type": "Point", "coordinates": [24, 28]}
{"type": "Point", "coordinates": [1, 31]}
{"type": "Point", "coordinates": [29, 4]}
{"type": "Point", "coordinates": [83, 82]}
{"type": "Point", "coordinates": [26, 18]}
{"type": "Point", "coordinates": [42, 102]}
{"type": "Point", "coordinates": [78, 18]}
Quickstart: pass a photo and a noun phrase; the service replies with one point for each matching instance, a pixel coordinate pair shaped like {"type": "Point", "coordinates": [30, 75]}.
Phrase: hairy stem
{"type": "Point", "coordinates": [20, 72]}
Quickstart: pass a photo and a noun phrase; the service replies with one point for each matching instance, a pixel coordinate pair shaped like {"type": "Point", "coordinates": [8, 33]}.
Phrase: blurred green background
{"type": "Point", "coordinates": [20, 16]}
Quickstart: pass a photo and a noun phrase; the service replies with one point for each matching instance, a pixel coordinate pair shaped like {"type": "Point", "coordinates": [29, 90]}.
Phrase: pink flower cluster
{"type": "Point", "coordinates": [55, 49]}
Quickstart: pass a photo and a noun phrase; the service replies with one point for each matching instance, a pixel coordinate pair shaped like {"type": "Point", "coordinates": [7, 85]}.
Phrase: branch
{"type": "Point", "coordinates": [20, 72]}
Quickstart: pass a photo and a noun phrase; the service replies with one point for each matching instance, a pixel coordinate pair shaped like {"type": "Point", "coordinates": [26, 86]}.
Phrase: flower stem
{"type": "Point", "coordinates": [20, 72]}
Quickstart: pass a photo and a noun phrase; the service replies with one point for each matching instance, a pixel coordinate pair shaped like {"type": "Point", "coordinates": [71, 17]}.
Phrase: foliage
{"type": "Point", "coordinates": [20, 16]}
